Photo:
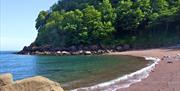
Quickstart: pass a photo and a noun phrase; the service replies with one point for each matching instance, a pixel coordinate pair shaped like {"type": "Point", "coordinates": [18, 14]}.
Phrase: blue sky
{"type": "Point", "coordinates": [17, 26]}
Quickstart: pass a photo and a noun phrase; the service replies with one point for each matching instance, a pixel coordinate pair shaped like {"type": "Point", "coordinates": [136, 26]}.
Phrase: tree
{"type": "Point", "coordinates": [159, 5]}
{"type": "Point", "coordinates": [71, 26]}
{"type": "Point", "coordinates": [41, 20]}
{"type": "Point", "coordinates": [108, 13]}
{"type": "Point", "coordinates": [128, 16]}
{"type": "Point", "coordinates": [101, 22]}
{"type": "Point", "coordinates": [97, 30]}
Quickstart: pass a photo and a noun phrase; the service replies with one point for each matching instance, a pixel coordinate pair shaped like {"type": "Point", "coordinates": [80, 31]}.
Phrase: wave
{"type": "Point", "coordinates": [124, 81]}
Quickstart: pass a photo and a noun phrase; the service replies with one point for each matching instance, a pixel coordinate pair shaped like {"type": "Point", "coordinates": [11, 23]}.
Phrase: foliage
{"type": "Point", "coordinates": [109, 22]}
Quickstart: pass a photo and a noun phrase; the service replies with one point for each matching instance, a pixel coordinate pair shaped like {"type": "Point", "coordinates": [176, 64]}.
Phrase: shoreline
{"type": "Point", "coordinates": [123, 81]}
{"type": "Point", "coordinates": [170, 67]}
{"type": "Point", "coordinates": [165, 76]}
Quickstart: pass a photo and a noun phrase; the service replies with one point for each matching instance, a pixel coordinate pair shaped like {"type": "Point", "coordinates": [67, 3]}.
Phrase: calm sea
{"type": "Point", "coordinates": [71, 71]}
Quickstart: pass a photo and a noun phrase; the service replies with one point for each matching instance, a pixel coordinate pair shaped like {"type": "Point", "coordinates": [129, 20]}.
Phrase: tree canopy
{"type": "Point", "coordinates": [109, 22]}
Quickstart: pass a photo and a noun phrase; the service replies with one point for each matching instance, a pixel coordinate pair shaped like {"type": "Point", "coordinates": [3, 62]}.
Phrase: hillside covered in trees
{"type": "Point", "coordinates": [109, 23]}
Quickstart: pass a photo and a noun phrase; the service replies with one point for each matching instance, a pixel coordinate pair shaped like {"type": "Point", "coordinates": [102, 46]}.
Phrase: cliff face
{"type": "Point", "coordinates": [37, 83]}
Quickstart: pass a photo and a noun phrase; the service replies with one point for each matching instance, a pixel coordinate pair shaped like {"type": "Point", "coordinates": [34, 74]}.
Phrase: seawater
{"type": "Point", "coordinates": [70, 71]}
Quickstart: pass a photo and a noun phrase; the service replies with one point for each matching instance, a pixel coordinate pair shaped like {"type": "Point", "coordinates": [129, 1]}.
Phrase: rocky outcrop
{"type": "Point", "coordinates": [72, 50]}
{"type": "Point", "coordinates": [6, 79]}
{"type": "Point", "coordinates": [37, 83]}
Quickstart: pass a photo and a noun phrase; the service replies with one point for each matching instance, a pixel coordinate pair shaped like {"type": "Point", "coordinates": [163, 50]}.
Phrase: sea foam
{"type": "Point", "coordinates": [124, 81]}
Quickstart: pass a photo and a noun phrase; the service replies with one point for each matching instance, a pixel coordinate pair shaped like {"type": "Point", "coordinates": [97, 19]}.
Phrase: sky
{"type": "Point", "coordinates": [17, 26]}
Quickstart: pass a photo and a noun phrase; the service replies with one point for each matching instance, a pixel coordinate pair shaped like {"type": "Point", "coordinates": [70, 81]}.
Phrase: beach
{"type": "Point", "coordinates": [165, 76]}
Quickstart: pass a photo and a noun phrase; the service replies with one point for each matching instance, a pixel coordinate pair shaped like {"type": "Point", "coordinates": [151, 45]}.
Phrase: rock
{"type": "Point", "coordinates": [94, 47]}
{"type": "Point", "coordinates": [47, 48]}
{"type": "Point", "coordinates": [169, 61]}
{"type": "Point", "coordinates": [6, 79]}
{"type": "Point", "coordinates": [118, 48]}
{"type": "Point", "coordinates": [126, 47]}
{"type": "Point", "coordinates": [37, 83]}
{"type": "Point", "coordinates": [58, 52]}
{"type": "Point", "coordinates": [39, 53]}
{"type": "Point", "coordinates": [25, 48]}
{"type": "Point", "coordinates": [80, 47]}
{"type": "Point", "coordinates": [85, 48]}
{"type": "Point", "coordinates": [109, 51]}
{"type": "Point", "coordinates": [103, 47]}
{"type": "Point", "coordinates": [100, 51]}
{"type": "Point", "coordinates": [47, 53]}
{"type": "Point", "coordinates": [87, 52]}
{"type": "Point", "coordinates": [81, 52]}
{"type": "Point", "coordinates": [65, 53]}
{"type": "Point", "coordinates": [72, 49]}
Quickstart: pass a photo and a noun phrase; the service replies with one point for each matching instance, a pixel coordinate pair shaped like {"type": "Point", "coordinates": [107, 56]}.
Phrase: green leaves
{"type": "Point", "coordinates": [108, 12]}
{"type": "Point", "coordinates": [129, 17]}
{"type": "Point", "coordinates": [40, 21]}
{"type": "Point", "coordinates": [89, 22]}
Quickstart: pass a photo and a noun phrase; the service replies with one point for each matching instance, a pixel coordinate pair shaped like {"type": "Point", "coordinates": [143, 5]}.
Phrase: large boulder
{"type": "Point", "coordinates": [37, 83]}
{"type": "Point", "coordinates": [87, 52]}
{"type": "Point", "coordinates": [118, 48]}
{"type": "Point", "coordinates": [126, 47]}
{"type": "Point", "coordinates": [6, 79]}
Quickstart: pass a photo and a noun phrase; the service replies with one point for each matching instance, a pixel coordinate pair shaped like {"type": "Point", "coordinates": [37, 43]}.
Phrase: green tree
{"type": "Point", "coordinates": [41, 20]}
{"type": "Point", "coordinates": [108, 13]}
{"type": "Point", "coordinates": [72, 25]}
{"type": "Point", "coordinates": [128, 16]}
{"type": "Point", "coordinates": [97, 30]}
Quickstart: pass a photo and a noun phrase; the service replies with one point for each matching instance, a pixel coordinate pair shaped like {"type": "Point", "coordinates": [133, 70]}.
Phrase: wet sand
{"type": "Point", "coordinates": [165, 77]}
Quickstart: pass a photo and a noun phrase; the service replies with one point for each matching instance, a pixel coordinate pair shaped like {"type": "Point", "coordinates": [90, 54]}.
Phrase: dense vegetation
{"type": "Point", "coordinates": [139, 23]}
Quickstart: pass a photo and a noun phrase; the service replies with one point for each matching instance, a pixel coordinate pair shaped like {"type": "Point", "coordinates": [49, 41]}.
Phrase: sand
{"type": "Point", "coordinates": [165, 77]}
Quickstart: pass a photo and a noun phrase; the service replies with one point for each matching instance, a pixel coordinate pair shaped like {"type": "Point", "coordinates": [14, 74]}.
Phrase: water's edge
{"type": "Point", "coordinates": [123, 81]}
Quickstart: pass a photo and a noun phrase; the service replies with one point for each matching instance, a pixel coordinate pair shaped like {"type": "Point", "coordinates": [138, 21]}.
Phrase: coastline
{"type": "Point", "coordinates": [123, 81]}
{"type": "Point", "coordinates": [158, 75]}
{"type": "Point", "coordinates": [165, 76]}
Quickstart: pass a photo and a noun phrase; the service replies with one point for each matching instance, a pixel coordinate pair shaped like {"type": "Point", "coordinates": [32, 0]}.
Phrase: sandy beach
{"type": "Point", "coordinates": [165, 77]}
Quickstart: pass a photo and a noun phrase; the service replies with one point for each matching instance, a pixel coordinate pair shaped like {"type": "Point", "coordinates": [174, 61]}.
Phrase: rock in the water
{"type": "Point", "coordinates": [6, 79]}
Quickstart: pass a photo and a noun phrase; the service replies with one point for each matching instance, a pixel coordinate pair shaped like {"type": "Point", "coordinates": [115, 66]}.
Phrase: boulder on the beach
{"type": "Point", "coordinates": [58, 52]}
{"type": "Point", "coordinates": [6, 79]}
{"type": "Point", "coordinates": [65, 53]}
{"type": "Point", "coordinates": [87, 52]}
{"type": "Point", "coordinates": [126, 47]}
{"type": "Point", "coordinates": [118, 48]}
{"type": "Point", "coordinates": [37, 83]}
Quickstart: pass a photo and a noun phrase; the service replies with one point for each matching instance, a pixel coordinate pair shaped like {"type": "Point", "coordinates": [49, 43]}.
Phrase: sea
{"type": "Point", "coordinates": [71, 72]}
